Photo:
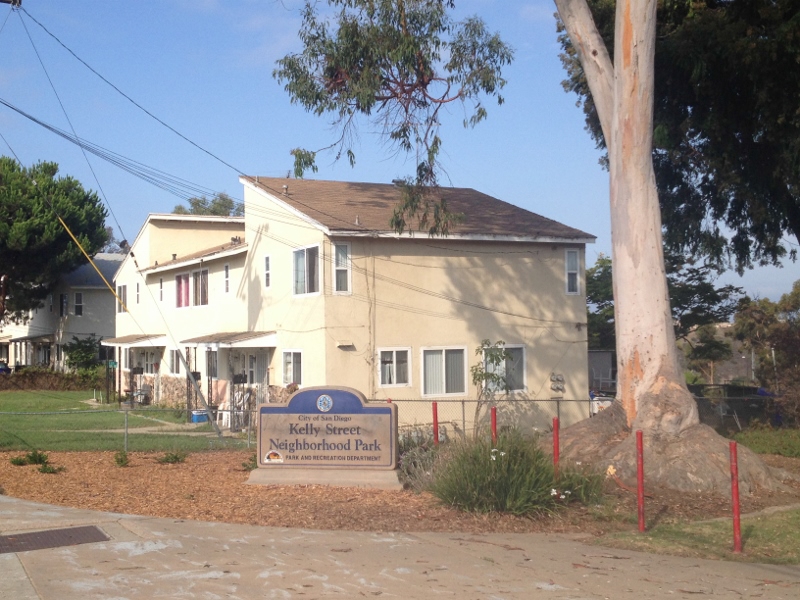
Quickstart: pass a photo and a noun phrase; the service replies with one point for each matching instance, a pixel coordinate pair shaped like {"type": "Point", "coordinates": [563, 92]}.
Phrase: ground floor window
{"type": "Point", "coordinates": [394, 367]}
{"type": "Point", "coordinates": [512, 369]}
{"type": "Point", "coordinates": [444, 371]}
{"type": "Point", "coordinates": [292, 367]}
{"type": "Point", "coordinates": [175, 362]}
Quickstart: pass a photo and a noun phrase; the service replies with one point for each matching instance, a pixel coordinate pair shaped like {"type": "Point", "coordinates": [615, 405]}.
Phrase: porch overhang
{"type": "Point", "coordinates": [137, 340]}
{"type": "Point", "coordinates": [238, 339]}
{"type": "Point", "coordinates": [36, 339]}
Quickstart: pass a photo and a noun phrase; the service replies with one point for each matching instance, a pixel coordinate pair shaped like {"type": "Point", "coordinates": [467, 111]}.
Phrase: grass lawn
{"type": "Point", "coordinates": [45, 420]}
{"type": "Point", "coordinates": [770, 538]}
{"type": "Point", "coordinates": [766, 440]}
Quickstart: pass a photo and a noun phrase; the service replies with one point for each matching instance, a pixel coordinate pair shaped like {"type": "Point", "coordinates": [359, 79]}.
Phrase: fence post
{"type": "Point", "coordinates": [640, 478]}
{"type": "Point", "coordinates": [435, 409]}
{"type": "Point", "coordinates": [737, 528]}
{"type": "Point", "coordinates": [494, 426]}
{"type": "Point", "coordinates": [556, 443]}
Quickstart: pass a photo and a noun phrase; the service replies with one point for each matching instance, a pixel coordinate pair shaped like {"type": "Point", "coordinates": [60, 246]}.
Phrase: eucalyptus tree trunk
{"type": "Point", "coordinates": [651, 392]}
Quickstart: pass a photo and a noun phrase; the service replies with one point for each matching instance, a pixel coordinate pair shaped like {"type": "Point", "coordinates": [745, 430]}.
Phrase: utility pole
{"type": "Point", "coordinates": [12, 2]}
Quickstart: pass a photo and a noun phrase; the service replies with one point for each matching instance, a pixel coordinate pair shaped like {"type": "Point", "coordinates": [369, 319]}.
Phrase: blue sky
{"type": "Point", "coordinates": [204, 67]}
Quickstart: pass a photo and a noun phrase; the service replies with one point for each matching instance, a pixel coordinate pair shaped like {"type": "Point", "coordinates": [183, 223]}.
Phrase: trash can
{"type": "Point", "coordinates": [199, 416]}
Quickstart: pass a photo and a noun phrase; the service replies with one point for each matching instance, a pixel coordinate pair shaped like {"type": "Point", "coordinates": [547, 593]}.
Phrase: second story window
{"type": "Point", "coordinates": [200, 282]}
{"type": "Point", "coordinates": [182, 291]}
{"type": "Point", "coordinates": [227, 273]}
{"type": "Point", "coordinates": [306, 270]}
{"type": "Point", "coordinates": [122, 295]}
{"type": "Point", "coordinates": [266, 272]}
{"type": "Point", "coordinates": [78, 304]}
{"type": "Point", "coordinates": [62, 312]}
{"type": "Point", "coordinates": [137, 293]}
{"type": "Point", "coordinates": [572, 272]}
{"type": "Point", "coordinates": [160, 289]}
{"type": "Point", "coordinates": [341, 267]}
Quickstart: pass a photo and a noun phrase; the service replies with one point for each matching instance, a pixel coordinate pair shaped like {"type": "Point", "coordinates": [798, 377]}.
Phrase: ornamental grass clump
{"type": "Point", "coordinates": [514, 476]}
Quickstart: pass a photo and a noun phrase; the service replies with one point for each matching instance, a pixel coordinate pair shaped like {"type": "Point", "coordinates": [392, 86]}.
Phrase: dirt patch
{"type": "Point", "coordinates": [211, 487]}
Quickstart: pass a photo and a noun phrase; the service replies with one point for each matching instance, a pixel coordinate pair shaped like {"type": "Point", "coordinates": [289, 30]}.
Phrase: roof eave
{"type": "Point", "coordinates": [181, 264]}
{"type": "Point", "coordinates": [472, 237]}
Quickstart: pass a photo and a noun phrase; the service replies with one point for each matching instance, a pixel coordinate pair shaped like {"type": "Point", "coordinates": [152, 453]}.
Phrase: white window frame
{"type": "Point", "coordinates": [394, 351]}
{"type": "Point", "coordinates": [174, 362]}
{"type": "Point", "coordinates": [443, 350]}
{"type": "Point", "coordinates": [196, 295]}
{"type": "Point", "coordinates": [268, 273]}
{"type": "Point", "coordinates": [63, 309]}
{"type": "Point", "coordinates": [304, 250]}
{"type": "Point", "coordinates": [226, 271]}
{"type": "Point", "coordinates": [160, 289]}
{"type": "Point", "coordinates": [122, 294]}
{"type": "Point", "coordinates": [137, 292]}
{"type": "Point", "coordinates": [292, 379]}
{"type": "Point", "coordinates": [524, 369]}
{"type": "Point", "coordinates": [337, 268]}
{"type": "Point", "coordinates": [77, 306]}
{"type": "Point", "coordinates": [576, 272]}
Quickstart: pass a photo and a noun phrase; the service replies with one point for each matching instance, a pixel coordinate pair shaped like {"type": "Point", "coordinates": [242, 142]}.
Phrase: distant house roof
{"type": "Point", "coordinates": [86, 275]}
{"type": "Point", "coordinates": [366, 208]}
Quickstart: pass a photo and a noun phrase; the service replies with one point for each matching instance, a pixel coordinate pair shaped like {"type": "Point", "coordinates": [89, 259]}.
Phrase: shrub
{"type": "Point", "coordinates": [34, 457]}
{"type": "Point", "coordinates": [251, 464]}
{"type": "Point", "coordinates": [171, 458]}
{"type": "Point", "coordinates": [121, 458]}
{"type": "Point", "coordinates": [19, 461]}
{"type": "Point", "coordinates": [47, 468]}
{"type": "Point", "coordinates": [515, 477]}
{"type": "Point", "coordinates": [417, 460]}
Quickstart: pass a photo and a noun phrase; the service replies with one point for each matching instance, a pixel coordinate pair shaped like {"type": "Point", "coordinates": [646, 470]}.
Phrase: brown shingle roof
{"type": "Point", "coordinates": [367, 207]}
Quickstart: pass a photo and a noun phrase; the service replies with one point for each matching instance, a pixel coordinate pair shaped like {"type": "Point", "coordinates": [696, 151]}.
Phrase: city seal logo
{"type": "Point", "coordinates": [324, 403]}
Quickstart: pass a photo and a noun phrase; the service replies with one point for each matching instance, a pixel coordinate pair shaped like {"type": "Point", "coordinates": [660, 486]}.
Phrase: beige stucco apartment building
{"type": "Point", "coordinates": [312, 287]}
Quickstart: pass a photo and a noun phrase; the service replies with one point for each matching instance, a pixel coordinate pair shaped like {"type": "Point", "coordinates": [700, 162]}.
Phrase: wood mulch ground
{"type": "Point", "coordinates": [211, 487]}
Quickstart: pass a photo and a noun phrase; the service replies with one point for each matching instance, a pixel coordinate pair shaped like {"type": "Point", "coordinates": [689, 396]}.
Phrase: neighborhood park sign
{"type": "Point", "coordinates": [327, 427]}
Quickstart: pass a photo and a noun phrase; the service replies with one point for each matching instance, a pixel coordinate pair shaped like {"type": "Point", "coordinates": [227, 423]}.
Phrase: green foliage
{"type": "Point", "coordinates": [48, 468]}
{"type": "Point", "coordinates": [771, 330]}
{"type": "Point", "coordinates": [82, 353]}
{"type": "Point", "coordinates": [600, 305]}
{"type": "Point", "coordinates": [121, 459]}
{"type": "Point", "coordinates": [220, 205]}
{"type": "Point", "coordinates": [694, 299]}
{"type": "Point", "coordinates": [396, 63]}
{"type": "Point", "coordinates": [704, 350]}
{"type": "Point", "coordinates": [251, 464]}
{"type": "Point", "coordinates": [35, 248]}
{"type": "Point", "coordinates": [35, 457]}
{"type": "Point", "coordinates": [171, 458]}
{"type": "Point", "coordinates": [515, 477]}
{"type": "Point", "coordinates": [19, 461]}
{"type": "Point", "coordinates": [726, 125]}
{"type": "Point", "coordinates": [417, 459]}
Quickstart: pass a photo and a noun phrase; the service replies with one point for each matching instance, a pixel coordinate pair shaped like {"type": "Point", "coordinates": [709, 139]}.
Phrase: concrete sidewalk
{"type": "Point", "coordinates": [165, 558]}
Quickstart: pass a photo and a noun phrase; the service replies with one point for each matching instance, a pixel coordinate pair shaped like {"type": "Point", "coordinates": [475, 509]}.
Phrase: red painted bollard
{"type": "Point", "coordinates": [640, 478]}
{"type": "Point", "coordinates": [494, 426]}
{"type": "Point", "coordinates": [737, 526]}
{"type": "Point", "coordinates": [435, 409]}
{"type": "Point", "coordinates": [556, 446]}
